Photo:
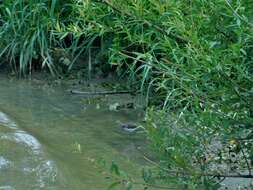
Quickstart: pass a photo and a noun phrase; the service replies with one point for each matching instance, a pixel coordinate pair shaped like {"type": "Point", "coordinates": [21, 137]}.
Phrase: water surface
{"type": "Point", "coordinates": [48, 138]}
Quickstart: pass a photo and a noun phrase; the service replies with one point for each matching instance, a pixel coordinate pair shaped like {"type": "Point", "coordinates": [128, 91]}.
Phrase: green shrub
{"type": "Point", "coordinates": [192, 59]}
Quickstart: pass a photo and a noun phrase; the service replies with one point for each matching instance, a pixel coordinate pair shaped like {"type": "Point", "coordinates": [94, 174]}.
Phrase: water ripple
{"type": "Point", "coordinates": [31, 161]}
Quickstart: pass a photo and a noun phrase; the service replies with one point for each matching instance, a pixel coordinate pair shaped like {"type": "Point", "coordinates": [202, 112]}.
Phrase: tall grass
{"type": "Point", "coordinates": [28, 31]}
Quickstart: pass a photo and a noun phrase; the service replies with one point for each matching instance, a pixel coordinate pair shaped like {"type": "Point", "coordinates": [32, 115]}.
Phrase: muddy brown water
{"type": "Point", "coordinates": [48, 138]}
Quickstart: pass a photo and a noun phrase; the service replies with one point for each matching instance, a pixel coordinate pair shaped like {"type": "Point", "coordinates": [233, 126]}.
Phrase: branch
{"type": "Point", "coordinates": [100, 93]}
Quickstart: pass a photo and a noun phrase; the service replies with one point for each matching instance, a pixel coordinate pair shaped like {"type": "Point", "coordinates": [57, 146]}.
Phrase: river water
{"type": "Point", "coordinates": [48, 139]}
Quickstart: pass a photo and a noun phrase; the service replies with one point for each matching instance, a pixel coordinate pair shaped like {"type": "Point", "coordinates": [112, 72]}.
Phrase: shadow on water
{"type": "Point", "coordinates": [47, 139]}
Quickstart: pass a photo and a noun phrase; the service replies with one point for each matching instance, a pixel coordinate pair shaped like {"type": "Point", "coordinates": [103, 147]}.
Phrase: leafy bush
{"type": "Point", "coordinates": [192, 59]}
{"type": "Point", "coordinates": [189, 56]}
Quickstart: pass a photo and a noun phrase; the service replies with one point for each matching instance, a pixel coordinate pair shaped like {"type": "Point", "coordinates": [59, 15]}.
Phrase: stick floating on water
{"type": "Point", "coordinates": [99, 93]}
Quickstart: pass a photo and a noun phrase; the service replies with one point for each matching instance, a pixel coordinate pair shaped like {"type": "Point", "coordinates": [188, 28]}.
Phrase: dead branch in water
{"type": "Point", "coordinates": [101, 92]}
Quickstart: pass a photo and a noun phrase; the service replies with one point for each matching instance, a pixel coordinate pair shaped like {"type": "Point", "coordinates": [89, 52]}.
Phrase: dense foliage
{"type": "Point", "coordinates": [192, 59]}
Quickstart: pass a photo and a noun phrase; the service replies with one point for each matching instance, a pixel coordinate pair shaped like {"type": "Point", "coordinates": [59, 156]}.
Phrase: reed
{"type": "Point", "coordinates": [29, 30]}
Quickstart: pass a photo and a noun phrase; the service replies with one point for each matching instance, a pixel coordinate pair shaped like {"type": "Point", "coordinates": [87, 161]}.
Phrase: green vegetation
{"type": "Point", "coordinates": [192, 59]}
